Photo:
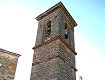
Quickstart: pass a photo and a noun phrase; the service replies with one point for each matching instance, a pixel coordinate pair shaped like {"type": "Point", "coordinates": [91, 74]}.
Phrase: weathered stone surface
{"type": "Point", "coordinates": [54, 59]}
{"type": "Point", "coordinates": [58, 20]}
{"type": "Point", "coordinates": [8, 62]}
{"type": "Point", "coordinates": [54, 55]}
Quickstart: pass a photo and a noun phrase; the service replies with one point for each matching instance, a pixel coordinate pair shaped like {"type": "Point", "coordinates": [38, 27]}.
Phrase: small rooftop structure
{"type": "Point", "coordinates": [8, 64]}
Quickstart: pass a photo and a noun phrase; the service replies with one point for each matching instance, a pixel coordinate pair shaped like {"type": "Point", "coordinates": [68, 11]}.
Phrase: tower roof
{"type": "Point", "coordinates": [54, 8]}
{"type": "Point", "coordinates": [10, 53]}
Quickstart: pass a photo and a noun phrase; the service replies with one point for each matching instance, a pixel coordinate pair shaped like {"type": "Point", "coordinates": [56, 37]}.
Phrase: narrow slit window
{"type": "Point", "coordinates": [66, 31]}
{"type": "Point", "coordinates": [66, 35]}
{"type": "Point", "coordinates": [48, 29]}
{"type": "Point", "coordinates": [65, 25]}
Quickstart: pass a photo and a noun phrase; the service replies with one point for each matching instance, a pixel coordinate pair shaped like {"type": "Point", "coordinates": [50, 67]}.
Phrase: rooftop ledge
{"type": "Point", "coordinates": [54, 8]}
{"type": "Point", "coordinates": [8, 52]}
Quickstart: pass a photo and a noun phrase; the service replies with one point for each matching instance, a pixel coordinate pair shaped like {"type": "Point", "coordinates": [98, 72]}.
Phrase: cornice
{"type": "Point", "coordinates": [53, 39]}
{"type": "Point", "coordinates": [54, 8]}
{"type": "Point", "coordinates": [10, 53]}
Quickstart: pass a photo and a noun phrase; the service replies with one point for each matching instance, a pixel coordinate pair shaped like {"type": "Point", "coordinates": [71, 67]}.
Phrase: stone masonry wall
{"type": "Point", "coordinates": [58, 20]}
{"type": "Point", "coordinates": [53, 61]}
{"type": "Point", "coordinates": [63, 19]}
{"type": "Point", "coordinates": [54, 17]}
{"type": "Point", "coordinates": [8, 65]}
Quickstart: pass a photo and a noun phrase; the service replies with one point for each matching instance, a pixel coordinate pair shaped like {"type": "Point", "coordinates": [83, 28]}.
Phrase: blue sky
{"type": "Point", "coordinates": [89, 16]}
{"type": "Point", "coordinates": [18, 30]}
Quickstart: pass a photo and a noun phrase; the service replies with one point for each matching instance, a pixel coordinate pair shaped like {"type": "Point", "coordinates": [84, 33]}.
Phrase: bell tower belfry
{"type": "Point", "coordinates": [54, 50]}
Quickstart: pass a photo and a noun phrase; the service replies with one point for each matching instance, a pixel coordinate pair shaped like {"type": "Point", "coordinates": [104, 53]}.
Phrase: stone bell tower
{"type": "Point", "coordinates": [54, 50]}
